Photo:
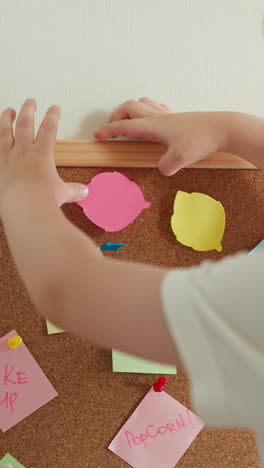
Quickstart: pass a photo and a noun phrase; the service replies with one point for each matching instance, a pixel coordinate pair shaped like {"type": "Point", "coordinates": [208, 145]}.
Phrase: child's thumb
{"type": "Point", "coordinates": [76, 192]}
{"type": "Point", "coordinates": [171, 162]}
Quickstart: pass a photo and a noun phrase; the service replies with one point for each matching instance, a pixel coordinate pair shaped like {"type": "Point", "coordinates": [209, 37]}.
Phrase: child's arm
{"type": "Point", "coordinates": [246, 137]}
{"type": "Point", "coordinates": [116, 304]}
{"type": "Point", "coordinates": [189, 136]}
{"type": "Point", "coordinates": [112, 303]}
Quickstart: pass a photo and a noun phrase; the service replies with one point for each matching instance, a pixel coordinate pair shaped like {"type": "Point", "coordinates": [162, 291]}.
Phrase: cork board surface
{"type": "Point", "coordinates": [73, 430]}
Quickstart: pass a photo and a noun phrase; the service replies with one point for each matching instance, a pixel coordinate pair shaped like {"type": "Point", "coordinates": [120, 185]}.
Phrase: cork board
{"type": "Point", "coordinates": [73, 430]}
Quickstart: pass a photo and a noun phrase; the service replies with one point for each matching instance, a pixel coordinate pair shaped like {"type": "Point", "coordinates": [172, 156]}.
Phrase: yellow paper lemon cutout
{"type": "Point", "coordinates": [198, 221]}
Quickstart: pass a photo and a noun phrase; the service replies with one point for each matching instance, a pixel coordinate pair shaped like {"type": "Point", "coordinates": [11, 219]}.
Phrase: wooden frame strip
{"type": "Point", "coordinates": [83, 153]}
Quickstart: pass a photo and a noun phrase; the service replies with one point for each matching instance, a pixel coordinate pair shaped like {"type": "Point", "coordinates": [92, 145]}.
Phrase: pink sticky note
{"type": "Point", "coordinates": [23, 385]}
{"type": "Point", "coordinates": [157, 434]}
{"type": "Point", "coordinates": [113, 202]}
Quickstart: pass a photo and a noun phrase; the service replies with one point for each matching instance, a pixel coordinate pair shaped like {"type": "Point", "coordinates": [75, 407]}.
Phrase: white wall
{"type": "Point", "coordinates": [90, 55]}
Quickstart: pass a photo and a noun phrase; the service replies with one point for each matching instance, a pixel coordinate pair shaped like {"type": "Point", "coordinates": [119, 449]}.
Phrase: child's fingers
{"type": "Point", "coordinates": [25, 124]}
{"type": "Point", "coordinates": [130, 110]}
{"type": "Point", "coordinates": [136, 128]}
{"type": "Point", "coordinates": [47, 132]}
{"type": "Point", "coordinates": [166, 107]}
{"type": "Point", "coordinates": [172, 162]}
{"type": "Point", "coordinates": [152, 104]}
{"type": "Point", "coordinates": [6, 130]}
{"type": "Point", "coordinates": [75, 192]}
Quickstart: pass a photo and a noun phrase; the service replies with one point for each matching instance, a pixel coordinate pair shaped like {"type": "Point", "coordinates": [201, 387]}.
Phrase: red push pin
{"type": "Point", "coordinates": [160, 384]}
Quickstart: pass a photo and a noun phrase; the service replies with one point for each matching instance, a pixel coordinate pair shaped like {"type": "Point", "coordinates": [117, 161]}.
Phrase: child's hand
{"type": "Point", "coordinates": [26, 160]}
{"type": "Point", "coordinates": [189, 137]}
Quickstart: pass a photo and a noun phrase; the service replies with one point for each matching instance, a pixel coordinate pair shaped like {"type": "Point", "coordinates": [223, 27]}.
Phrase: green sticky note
{"type": "Point", "coordinates": [52, 329]}
{"type": "Point", "coordinates": [11, 460]}
{"type": "Point", "coordinates": [123, 362]}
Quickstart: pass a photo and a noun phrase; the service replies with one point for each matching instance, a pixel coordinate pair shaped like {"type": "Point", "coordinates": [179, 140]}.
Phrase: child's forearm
{"type": "Point", "coordinates": [246, 137]}
{"type": "Point", "coordinates": [35, 229]}
{"type": "Point", "coordinates": [112, 303]}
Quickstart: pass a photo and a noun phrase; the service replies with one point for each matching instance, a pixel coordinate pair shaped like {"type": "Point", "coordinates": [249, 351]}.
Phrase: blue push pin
{"type": "Point", "coordinates": [111, 246]}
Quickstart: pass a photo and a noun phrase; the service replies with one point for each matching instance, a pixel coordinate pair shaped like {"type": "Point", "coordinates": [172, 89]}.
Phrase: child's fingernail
{"type": "Point", "coordinates": [30, 101]}
{"type": "Point", "coordinates": [84, 192]}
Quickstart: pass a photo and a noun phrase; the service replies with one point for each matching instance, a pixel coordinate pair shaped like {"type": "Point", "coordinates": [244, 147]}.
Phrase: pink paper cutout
{"type": "Point", "coordinates": [158, 432]}
{"type": "Point", "coordinates": [113, 202]}
{"type": "Point", "coordinates": [24, 387]}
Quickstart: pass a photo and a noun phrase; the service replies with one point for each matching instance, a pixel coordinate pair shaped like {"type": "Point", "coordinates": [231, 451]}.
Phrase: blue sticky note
{"type": "Point", "coordinates": [111, 246]}
{"type": "Point", "coordinates": [259, 248]}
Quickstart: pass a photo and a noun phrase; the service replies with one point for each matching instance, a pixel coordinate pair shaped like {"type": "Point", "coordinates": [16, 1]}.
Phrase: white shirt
{"type": "Point", "coordinates": [215, 313]}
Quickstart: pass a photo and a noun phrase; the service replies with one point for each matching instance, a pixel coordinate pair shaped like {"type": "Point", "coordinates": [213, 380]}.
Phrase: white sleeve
{"type": "Point", "coordinates": [215, 313]}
